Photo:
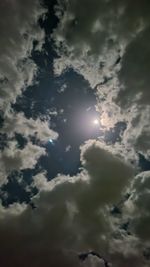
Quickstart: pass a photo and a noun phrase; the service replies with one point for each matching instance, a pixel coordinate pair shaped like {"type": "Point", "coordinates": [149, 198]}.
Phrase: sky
{"type": "Point", "coordinates": [74, 133]}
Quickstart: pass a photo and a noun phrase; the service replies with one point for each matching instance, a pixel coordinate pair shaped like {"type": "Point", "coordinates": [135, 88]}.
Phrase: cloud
{"type": "Point", "coordinates": [18, 123]}
{"type": "Point", "coordinates": [69, 214]}
{"type": "Point", "coordinates": [108, 44]}
{"type": "Point", "coordinates": [98, 34]}
{"type": "Point", "coordinates": [137, 206]}
{"type": "Point", "coordinates": [14, 209]}
{"type": "Point", "coordinates": [93, 261]}
{"type": "Point", "coordinates": [130, 229]}
{"type": "Point", "coordinates": [134, 71]}
{"type": "Point", "coordinates": [17, 35]}
{"type": "Point", "coordinates": [40, 182]}
{"type": "Point", "coordinates": [20, 35]}
{"type": "Point", "coordinates": [96, 157]}
{"type": "Point", "coordinates": [13, 158]}
{"type": "Point", "coordinates": [136, 134]}
{"type": "Point", "coordinates": [102, 41]}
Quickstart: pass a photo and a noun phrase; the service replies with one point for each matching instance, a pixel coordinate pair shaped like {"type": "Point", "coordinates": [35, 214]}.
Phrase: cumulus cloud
{"type": "Point", "coordinates": [20, 35]}
{"type": "Point", "coordinates": [134, 71]}
{"type": "Point", "coordinates": [137, 132]}
{"type": "Point", "coordinates": [19, 28]}
{"type": "Point", "coordinates": [69, 214]}
{"type": "Point", "coordinates": [41, 183]}
{"type": "Point", "coordinates": [18, 123]}
{"type": "Point", "coordinates": [104, 26]}
{"type": "Point", "coordinates": [97, 36]}
{"type": "Point", "coordinates": [137, 206]}
{"type": "Point", "coordinates": [108, 45]}
{"type": "Point", "coordinates": [130, 241]}
{"type": "Point", "coordinates": [13, 158]}
{"type": "Point", "coordinates": [96, 158]}
{"type": "Point", "coordinates": [14, 209]}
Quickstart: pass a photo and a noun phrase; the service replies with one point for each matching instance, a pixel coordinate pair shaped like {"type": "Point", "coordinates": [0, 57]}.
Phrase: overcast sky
{"type": "Point", "coordinates": [74, 133]}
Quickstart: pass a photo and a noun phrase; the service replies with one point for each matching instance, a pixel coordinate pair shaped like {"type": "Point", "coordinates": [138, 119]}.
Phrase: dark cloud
{"type": "Point", "coordinates": [96, 160]}
{"type": "Point", "coordinates": [134, 71]}
{"type": "Point", "coordinates": [105, 45]}
{"type": "Point", "coordinates": [68, 217]}
{"type": "Point", "coordinates": [137, 207]}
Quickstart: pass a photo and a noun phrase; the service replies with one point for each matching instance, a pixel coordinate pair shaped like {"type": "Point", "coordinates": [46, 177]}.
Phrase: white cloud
{"type": "Point", "coordinates": [108, 44]}
{"type": "Point", "coordinates": [40, 182]}
{"type": "Point", "coordinates": [71, 213]}
{"type": "Point", "coordinates": [14, 209]}
{"type": "Point", "coordinates": [19, 28]}
{"type": "Point", "coordinates": [12, 158]}
{"type": "Point", "coordinates": [93, 261]}
{"type": "Point", "coordinates": [18, 123]}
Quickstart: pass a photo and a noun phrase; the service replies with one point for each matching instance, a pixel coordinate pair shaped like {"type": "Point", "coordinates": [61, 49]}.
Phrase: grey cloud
{"type": "Point", "coordinates": [99, 23]}
{"type": "Point", "coordinates": [68, 218]}
{"type": "Point", "coordinates": [136, 134]}
{"type": "Point", "coordinates": [40, 182]}
{"type": "Point", "coordinates": [12, 158]}
{"type": "Point", "coordinates": [133, 96]}
{"type": "Point", "coordinates": [18, 123]}
{"type": "Point", "coordinates": [134, 73]}
{"type": "Point", "coordinates": [138, 207]}
{"type": "Point", "coordinates": [129, 246]}
{"type": "Point", "coordinates": [91, 37]}
{"type": "Point", "coordinates": [97, 31]}
{"type": "Point", "coordinates": [70, 214]}
{"type": "Point", "coordinates": [18, 28]}
{"type": "Point", "coordinates": [105, 169]}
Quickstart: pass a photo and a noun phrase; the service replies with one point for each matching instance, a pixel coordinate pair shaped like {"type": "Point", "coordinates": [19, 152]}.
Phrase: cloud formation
{"type": "Point", "coordinates": [69, 216]}
{"type": "Point", "coordinates": [107, 42]}
{"type": "Point", "coordinates": [13, 158]}
{"type": "Point", "coordinates": [21, 34]}
{"type": "Point", "coordinates": [108, 45]}
{"type": "Point", "coordinates": [137, 206]}
{"type": "Point", "coordinates": [18, 123]}
{"type": "Point", "coordinates": [19, 28]}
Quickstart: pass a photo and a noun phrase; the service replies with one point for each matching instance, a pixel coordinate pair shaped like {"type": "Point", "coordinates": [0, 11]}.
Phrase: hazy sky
{"type": "Point", "coordinates": [74, 133]}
